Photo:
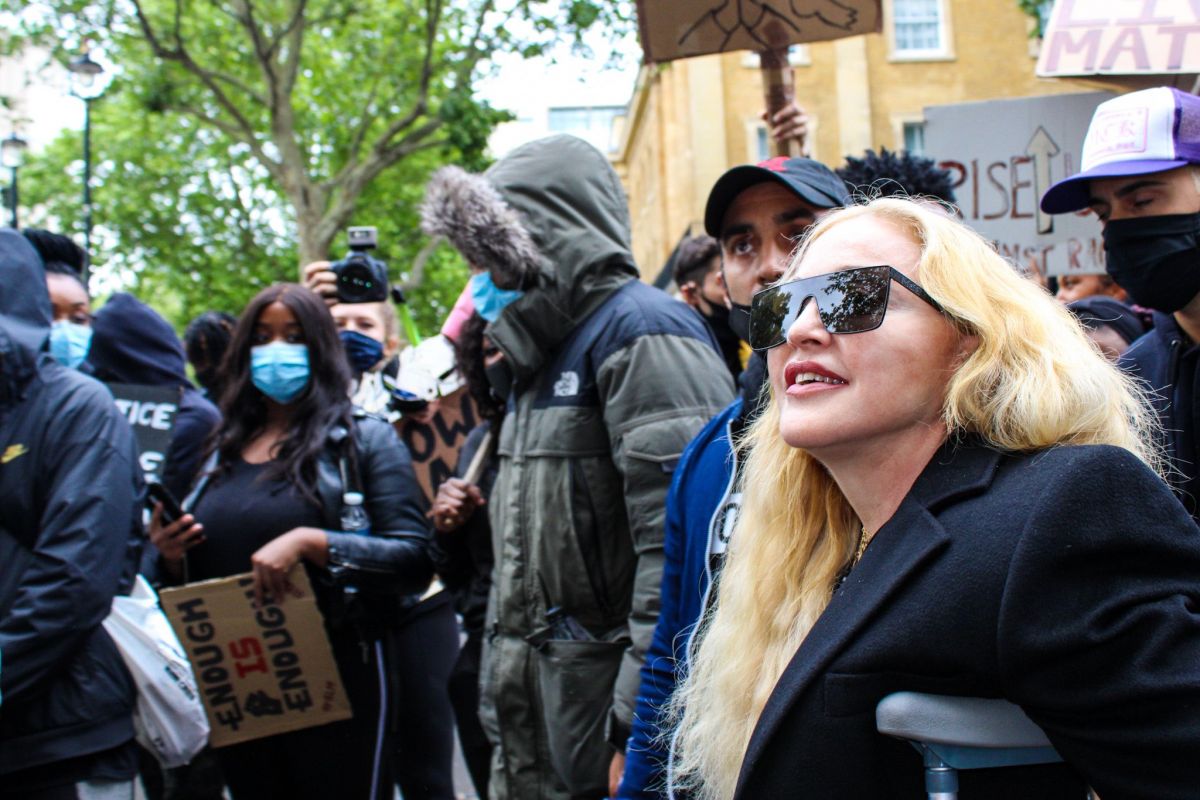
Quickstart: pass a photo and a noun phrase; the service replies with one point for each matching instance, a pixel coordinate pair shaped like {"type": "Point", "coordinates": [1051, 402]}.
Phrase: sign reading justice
{"type": "Point", "coordinates": [261, 671]}
{"type": "Point", "coordinates": [151, 412]}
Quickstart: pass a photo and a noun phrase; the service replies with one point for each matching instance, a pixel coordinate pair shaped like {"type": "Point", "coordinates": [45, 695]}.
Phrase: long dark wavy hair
{"type": "Point", "coordinates": [468, 355]}
{"type": "Point", "coordinates": [324, 403]}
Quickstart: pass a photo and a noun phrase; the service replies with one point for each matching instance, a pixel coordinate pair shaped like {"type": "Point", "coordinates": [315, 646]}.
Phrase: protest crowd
{"type": "Point", "coordinates": [690, 542]}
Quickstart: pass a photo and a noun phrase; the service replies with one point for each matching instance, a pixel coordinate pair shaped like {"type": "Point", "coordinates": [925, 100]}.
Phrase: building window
{"type": "Point", "coordinates": [914, 138]}
{"type": "Point", "coordinates": [798, 56]}
{"type": "Point", "coordinates": [918, 28]}
{"type": "Point", "coordinates": [1043, 12]}
{"type": "Point", "coordinates": [593, 124]}
{"type": "Point", "coordinates": [758, 140]}
{"type": "Point", "coordinates": [762, 144]}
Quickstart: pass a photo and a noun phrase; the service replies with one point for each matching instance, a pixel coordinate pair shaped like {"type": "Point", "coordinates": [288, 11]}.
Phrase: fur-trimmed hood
{"type": "Point", "coordinates": [550, 218]}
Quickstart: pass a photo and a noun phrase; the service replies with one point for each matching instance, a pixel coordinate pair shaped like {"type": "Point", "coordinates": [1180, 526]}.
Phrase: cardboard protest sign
{"type": "Point", "coordinates": [673, 29]}
{"type": "Point", "coordinates": [1121, 37]}
{"type": "Point", "coordinates": [1003, 155]}
{"type": "Point", "coordinates": [151, 412]}
{"type": "Point", "coordinates": [261, 671]}
{"type": "Point", "coordinates": [435, 444]}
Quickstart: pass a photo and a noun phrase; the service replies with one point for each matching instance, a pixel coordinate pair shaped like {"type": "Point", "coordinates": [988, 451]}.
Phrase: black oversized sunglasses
{"type": "Point", "coordinates": [848, 301]}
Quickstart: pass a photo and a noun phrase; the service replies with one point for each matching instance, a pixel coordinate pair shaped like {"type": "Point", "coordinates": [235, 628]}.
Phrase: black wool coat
{"type": "Point", "coordinates": [1066, 581]}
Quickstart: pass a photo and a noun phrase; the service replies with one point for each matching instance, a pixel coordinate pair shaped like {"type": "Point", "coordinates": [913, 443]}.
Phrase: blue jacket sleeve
{"type": "Point", "coordinates": [646, 753]}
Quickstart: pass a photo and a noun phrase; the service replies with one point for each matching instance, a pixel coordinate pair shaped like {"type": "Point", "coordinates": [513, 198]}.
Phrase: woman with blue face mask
{"type": "Point", "coordinates": [296, 479]}
{"type": "Point", "coordinates": [71, 331]}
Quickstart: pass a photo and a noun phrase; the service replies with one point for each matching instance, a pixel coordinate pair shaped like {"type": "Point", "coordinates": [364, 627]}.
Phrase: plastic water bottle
{"type": "Point", "coordinates": [354, 516]}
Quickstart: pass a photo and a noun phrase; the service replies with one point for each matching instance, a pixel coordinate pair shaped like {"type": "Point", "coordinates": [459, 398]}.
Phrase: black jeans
{"type": "Point", "coordinates": [464, 695]}
{"type": "Point", "coordinates": [426, 646]}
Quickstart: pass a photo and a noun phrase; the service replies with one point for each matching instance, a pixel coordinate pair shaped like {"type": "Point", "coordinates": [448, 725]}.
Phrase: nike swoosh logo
{"type": "Point", "coordinates": [13, 452]}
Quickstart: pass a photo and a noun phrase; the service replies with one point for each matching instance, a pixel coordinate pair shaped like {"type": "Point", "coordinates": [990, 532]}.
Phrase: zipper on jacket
{"type": "Point", "coordinates": [691, 642]}
{"type": "Point", "coordinates": [599, 578]}
{"type": "Point", "coordinates": [708, 573]}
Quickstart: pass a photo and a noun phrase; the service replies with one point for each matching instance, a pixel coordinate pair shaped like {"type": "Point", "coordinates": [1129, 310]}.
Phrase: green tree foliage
{"type": "Point", "coordinates": [241, 137]}
{"type": "Point", "coordinates": [1039, 10]}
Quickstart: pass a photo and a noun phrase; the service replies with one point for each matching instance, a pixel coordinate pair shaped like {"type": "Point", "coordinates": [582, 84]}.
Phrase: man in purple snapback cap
{"type": "Point", "coordinates": [1140, 176]}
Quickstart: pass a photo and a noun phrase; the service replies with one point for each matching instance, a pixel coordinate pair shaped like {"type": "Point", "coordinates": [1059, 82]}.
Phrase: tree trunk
{"type": "Point", "coordinates": [312, 230]}
{"type": "Point", "coordinates": [313, 245]}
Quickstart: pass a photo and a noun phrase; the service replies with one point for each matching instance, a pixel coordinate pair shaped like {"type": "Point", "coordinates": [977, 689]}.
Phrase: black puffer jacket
{"type": "Point", "coordinates": [69, 537]}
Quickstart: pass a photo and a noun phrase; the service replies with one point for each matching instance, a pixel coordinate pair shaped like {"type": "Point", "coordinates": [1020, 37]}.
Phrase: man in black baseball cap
{"type": "Point", "coordinates": [809, 180]}
{"type": "Point", "coordinates": [756, 212]}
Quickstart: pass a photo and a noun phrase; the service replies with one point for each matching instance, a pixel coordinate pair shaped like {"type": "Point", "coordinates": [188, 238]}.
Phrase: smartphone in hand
{"type": "Point", "coordinates": [157, 493]}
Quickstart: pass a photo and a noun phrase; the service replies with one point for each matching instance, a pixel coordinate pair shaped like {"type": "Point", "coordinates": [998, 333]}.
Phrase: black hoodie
{"type": "Point", "coordinates": [70, 533]}
{"type": "Point", "coordinates": [131, 343]}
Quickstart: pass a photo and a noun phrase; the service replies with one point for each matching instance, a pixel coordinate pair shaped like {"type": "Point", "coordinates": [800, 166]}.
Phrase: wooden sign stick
{"type": "Point", "coordinates": [475, 468]}
{"type": "Point", "coordinates": [780, 90]}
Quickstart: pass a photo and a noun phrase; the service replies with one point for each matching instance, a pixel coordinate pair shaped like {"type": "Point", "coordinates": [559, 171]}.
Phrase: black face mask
{"type": "Point", "coordinates": [718, 321]}
{"type": "Point", "coordinates": [739, 321]}
{"type": "Point", "coordinates": [718, 314]}
{"type": "Point", "coordinates": [1155, 259]}
{"type": "Point", "coordinates": [500, 377]}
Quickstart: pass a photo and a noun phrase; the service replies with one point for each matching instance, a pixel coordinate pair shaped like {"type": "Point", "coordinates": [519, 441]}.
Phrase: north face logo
{"type": "Point", "coordinates": [567, 384]}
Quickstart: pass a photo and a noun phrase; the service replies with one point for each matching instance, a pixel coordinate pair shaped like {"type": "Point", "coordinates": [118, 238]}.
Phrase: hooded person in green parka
{"type": "Point", "coordinates": [607, 379]}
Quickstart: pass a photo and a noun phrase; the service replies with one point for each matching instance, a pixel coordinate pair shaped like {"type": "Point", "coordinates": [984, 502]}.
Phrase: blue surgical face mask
{"type": "Point", "coordinates": [279, 370]}
{"type": "Point", "coordinates": [362, 351]}
{"type": "Point", "coordinates": [69, 343]}
{"type": "Point", "coordinates": [489, 299]}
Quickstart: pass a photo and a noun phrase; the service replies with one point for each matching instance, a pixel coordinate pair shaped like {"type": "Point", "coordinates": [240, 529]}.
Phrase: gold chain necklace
{"type": "Point", "coordinates": [864, 539]}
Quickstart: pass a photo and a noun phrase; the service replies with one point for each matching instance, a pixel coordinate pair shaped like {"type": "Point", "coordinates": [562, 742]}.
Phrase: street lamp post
{"type": "Point", "coordinates": [87, 84]}
{"type": "Point", "coordinates": [12, 154]}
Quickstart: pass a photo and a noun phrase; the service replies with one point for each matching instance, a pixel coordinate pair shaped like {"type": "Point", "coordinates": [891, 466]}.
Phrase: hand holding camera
{"type": "Point", "coordinates": [320, 279]}
{"type": "Point", "coordinates": [357, 278]}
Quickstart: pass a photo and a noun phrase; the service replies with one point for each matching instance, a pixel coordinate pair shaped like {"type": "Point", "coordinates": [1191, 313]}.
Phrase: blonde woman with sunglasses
{"type": "Point", "coordinates": [951, 492]}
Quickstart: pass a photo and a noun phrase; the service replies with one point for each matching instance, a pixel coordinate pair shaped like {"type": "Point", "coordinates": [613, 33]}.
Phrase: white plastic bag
{"type": "Point", "coordinates": [169, 718]}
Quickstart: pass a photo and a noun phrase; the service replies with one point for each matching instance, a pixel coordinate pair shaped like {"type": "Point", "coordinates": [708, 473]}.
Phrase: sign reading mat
{"type": "Point", "coordinates": [1121, 37]}
{"type": "Point", "coordinates": [261, 671]}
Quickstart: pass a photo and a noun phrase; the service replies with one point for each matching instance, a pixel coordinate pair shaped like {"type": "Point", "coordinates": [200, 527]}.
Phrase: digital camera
{"type": "Point", "coordinates": [360, 277]}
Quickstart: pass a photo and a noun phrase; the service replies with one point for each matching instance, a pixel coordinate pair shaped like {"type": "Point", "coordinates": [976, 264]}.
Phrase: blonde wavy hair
{"type": "Point", "coordinates": [1033, 381]}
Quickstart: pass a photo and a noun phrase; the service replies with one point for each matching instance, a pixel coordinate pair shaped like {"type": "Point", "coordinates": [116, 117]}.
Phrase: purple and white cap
{"type": "Point", "coordinates": [1139, 133]}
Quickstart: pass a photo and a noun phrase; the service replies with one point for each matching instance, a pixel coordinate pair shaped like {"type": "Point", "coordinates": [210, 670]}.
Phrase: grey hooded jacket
{"type": "Point", "coordinates": [612, 378]}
